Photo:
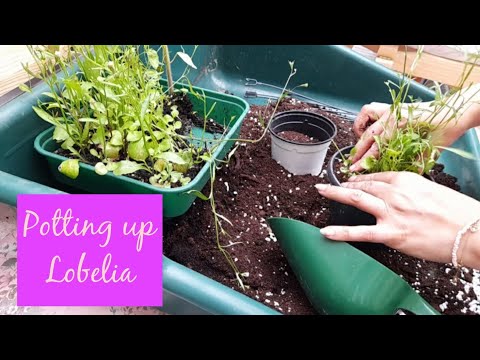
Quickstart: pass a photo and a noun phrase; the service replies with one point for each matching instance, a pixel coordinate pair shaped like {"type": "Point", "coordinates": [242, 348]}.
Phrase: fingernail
{"type": "Point", "coordinates": [353, 168]}
{"type": "Point", "coordinates": [327, 231]}
{"type": "Point", "coordinates": [344, 184]}
{"type": "Point", "coordinates": [353, 177]}
{"type": "Point", "coordinates": [321, 187]}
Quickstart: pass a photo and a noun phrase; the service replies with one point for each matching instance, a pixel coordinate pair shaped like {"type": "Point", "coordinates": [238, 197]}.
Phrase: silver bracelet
{"type": "Point", "coordinates": [472, 227]}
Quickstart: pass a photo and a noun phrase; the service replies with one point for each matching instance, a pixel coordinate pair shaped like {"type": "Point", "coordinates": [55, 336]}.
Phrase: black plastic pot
{"type": "Point", "coordinates": [341, 214]}
{"type": "Point", "coordinates": [301, 158]}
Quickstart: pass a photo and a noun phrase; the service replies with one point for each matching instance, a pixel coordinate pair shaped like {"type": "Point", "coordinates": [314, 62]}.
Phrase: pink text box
{"type": "Point", "coordinates": [117, 237]}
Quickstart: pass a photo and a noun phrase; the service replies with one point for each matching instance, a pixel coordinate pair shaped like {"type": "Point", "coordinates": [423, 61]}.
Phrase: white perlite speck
{"type": "Point", "coordinates": [269, 293]}
{"type": "Point", "coordinates": [444, 306]}
{"type": "Point", "coordinates": [474, 305]}
{"type": "Point", "coordinates": [276, 304]}
{"type": "Point", "coordinates": [267, 301]}
{"type": "Point", "coordinates": [227, 186]}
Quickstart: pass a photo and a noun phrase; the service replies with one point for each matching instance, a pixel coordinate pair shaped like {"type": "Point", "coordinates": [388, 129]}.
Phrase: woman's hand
{"type": "Point", "coordinates": [414, 215]}
{"type": "Point", "coordinates": [376, 119]}
{"type": "Point", "coordinates": [370, 121]}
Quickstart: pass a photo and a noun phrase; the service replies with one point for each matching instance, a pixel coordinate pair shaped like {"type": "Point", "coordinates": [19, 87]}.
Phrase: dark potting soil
{"type": "Point", "coordinates": [297, 137]}
{"type": "Point", "coordinates": [253, 187]}
{"type": "Point", "coordinates": [189, 119]}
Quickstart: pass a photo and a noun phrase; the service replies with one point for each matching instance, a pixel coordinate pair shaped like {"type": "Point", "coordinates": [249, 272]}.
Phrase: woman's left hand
{"type": "Point", "coordinates": [414, 215]}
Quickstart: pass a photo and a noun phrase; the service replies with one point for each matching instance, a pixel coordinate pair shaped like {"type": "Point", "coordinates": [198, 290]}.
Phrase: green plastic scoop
{"type": "Point", "coordinates": [340, 279]}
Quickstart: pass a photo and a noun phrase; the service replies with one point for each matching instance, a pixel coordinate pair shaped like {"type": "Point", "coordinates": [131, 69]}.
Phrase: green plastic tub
{"type": "Point", "coordinates": [176, 201]}
{"type": "Point", "coordinates": [335, 75]}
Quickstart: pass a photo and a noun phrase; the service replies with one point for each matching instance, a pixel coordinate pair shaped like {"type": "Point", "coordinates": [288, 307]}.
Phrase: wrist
{"type": "Point", "coordinates": [471, 117]}
{"type": "Point", "coordinates": [469, 250]}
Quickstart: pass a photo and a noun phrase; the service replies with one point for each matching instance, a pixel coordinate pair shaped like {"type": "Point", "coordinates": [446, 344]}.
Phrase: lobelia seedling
{"type": "Point", "coordinates": [112, 112]}
{"type": "Point", "coordinates": [415, 134]}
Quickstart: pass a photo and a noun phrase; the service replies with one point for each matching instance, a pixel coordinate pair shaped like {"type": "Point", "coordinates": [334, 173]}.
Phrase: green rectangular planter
{"type": "Point", "coordinates": [335, 75]}
{"type": "Point", "coordinates": [176, 201]}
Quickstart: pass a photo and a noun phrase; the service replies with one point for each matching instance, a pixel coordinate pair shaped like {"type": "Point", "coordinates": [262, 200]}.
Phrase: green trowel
{"type": "Point", "coordinates": [340, 279]}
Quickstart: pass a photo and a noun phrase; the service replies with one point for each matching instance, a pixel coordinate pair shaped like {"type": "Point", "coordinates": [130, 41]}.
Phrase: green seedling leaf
{"type": "Point", "coordinates": [25, 88]}
{"type": "Point", "coordinates": [198, 194]}
{"type": "Point", "coordinates": [177, 125]}
{"type": "Point", "coordinates": [291, 63]}
{"type": "Point", "coordinates": [68, 144]}
{"type": "Point", "coordinates": [117, 138]}
{"type": "Point", "coordinates": [159, 135]}
{"type": "Point", "coordinates": [125, 167]}
{"type": "Point", "coordinates": [70, 168]}
{"type": "Point", "coordinates": [181, 168]}
{"type": "Point", "coordinates": [174, 112]}
{"type": "Point", "coordinates": [185, 180]}
{"type": "Point", "coordinates": [135, 125]}
{"type": "Point", "coordinates": [173, 158]}
{"type": "Point", "coordinates": [137, 151]}
{"type": "Point", "coordinates": [154, 179]}
{"type": "Point", "coordinates": [101, 168]}
{"type": "Point", "coordinates": [134, 136]}
{"type": "Point", "coordinates": [459, 152]}
{"type": "Point", "coordinates": [168, 118]}
{"type": "Point", "coordinates": [98, 106]}
{"type": "Point", "coordinates": [86, 85]}
{"type": "Point", "coordinates": [60, 134]}
{"type": "Point", "coordinates": [94, 153]}
{"type": "Point", "coordinates": [44, 115]}
{"type": "Point", "coordinates": [368, 163]}
{"type": "Point", "coordinates": [187, 59]}
{"type": "Point", "coordinates": [164, 145]}
{"type": "Point", "coordinates": [152, 56]}
{"type": "Point", "coordinates": [110, 94]}
{"type": "Point", "coordinates": [88, 120]}
{"type": "Point", "coordinates": [98, 137]}
{"type": "Point", "coordinates": [160, 165]}
{"type": "Point", "coordinates": [175, 176]}
{"type": "Point", "coordinates": [112, 152]}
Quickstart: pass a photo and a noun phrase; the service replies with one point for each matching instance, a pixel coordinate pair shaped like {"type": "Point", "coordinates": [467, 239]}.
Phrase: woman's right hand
{"type": "Point", "coordinates": [369, 122]}
{"type": "Point", "coordinates": [376, 119]}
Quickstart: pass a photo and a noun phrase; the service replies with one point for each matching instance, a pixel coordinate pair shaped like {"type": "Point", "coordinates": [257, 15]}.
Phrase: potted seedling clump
{"type": "Point", "coordinates": [411, 142]}
{"type": "Point", "coordinates": [118, 127]}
